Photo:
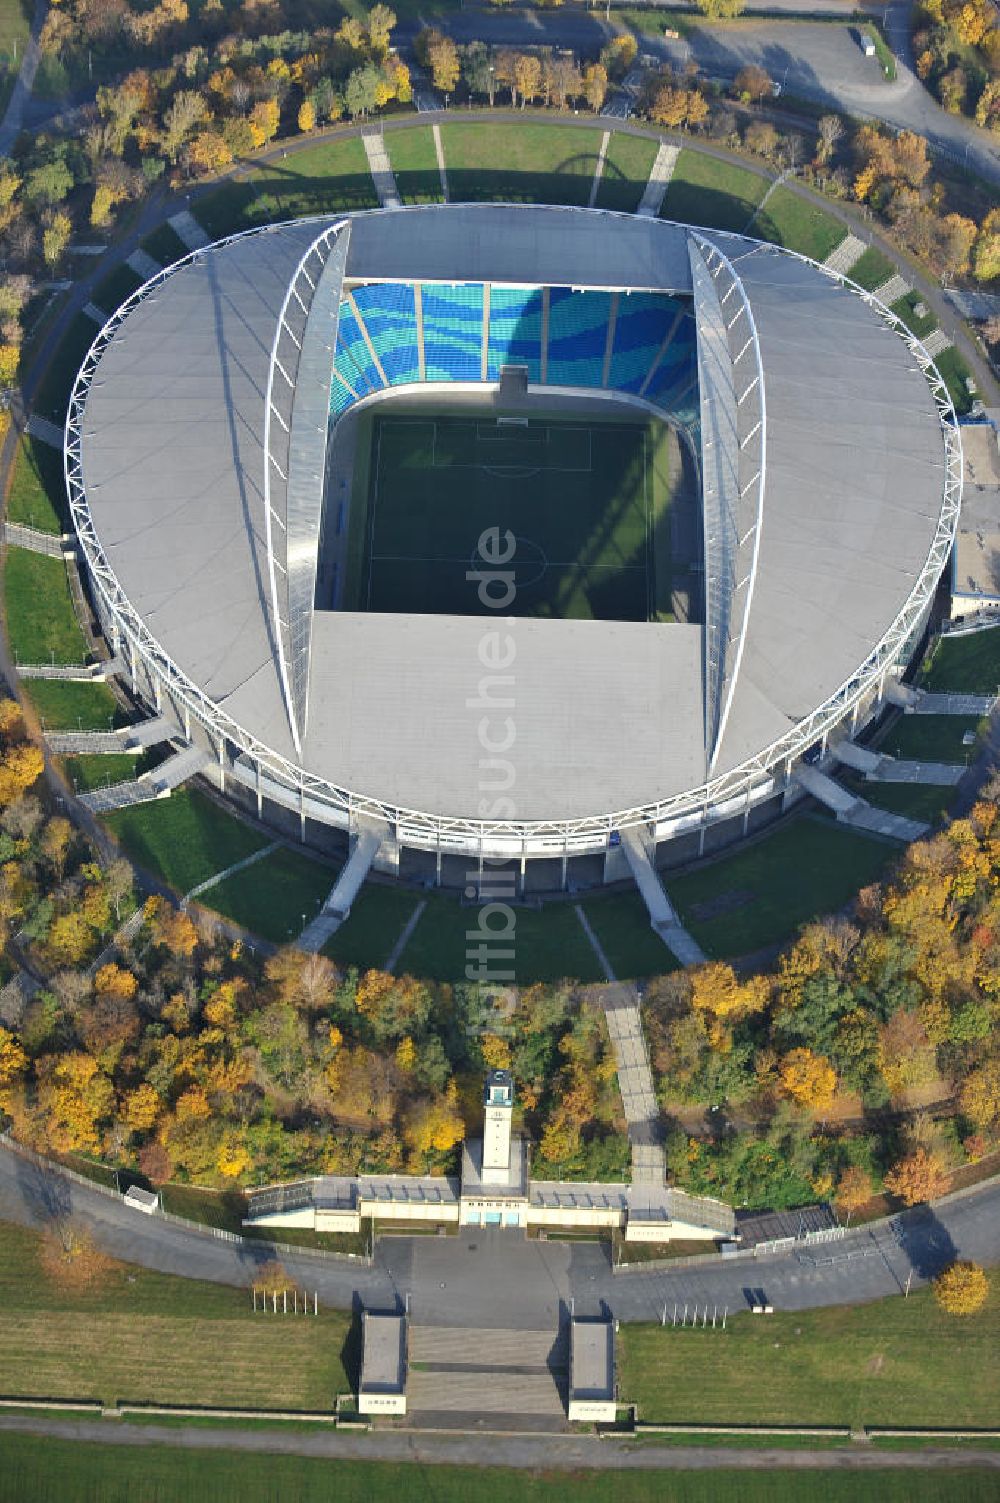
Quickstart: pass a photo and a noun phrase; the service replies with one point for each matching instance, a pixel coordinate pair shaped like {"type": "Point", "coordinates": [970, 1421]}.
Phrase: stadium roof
{"type": "Point", "coordinates": [609, 715]}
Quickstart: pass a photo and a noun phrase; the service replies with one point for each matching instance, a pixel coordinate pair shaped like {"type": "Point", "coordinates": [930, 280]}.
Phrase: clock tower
{"type": "Point", "coordinates": [499, 1109]}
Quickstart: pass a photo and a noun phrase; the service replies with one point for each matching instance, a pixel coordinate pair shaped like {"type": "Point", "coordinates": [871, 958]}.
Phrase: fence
{"type": "Point", "coordinates": [220, 1233]}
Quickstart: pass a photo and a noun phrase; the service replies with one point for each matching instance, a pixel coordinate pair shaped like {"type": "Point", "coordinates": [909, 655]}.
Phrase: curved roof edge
{"type": "Point", "coordinates": [296, 408]}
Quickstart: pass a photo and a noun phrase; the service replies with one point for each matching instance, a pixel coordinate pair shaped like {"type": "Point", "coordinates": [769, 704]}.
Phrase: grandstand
{"type": "Point", "coordinates": [399, 333]}
{"type": "Point", "coordinates": [211, 452]}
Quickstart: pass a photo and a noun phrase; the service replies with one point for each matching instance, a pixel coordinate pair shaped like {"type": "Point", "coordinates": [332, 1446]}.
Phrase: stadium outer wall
{"type": "Point", "coordinates": [551, 854]}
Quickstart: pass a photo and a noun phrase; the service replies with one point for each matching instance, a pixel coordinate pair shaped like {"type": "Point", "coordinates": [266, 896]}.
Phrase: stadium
{"type": "Point", "coordinates": [549, 538]}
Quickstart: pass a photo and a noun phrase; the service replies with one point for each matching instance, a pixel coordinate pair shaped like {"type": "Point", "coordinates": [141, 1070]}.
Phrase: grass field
{"type": "Point", "coordinates": [93, 771]}
{"type": "Point", "coordinates": [73, 707]}
{"type": "Point", "coordinates": [915, 800]}
{"type": "Point", "coordinates": [62, 1472]}
{"type": "Point", "coordinates": [872, 270]}
{"type": "Point", "coordinates": [376, 923]}
{"type": "Point", "coordinates": [621, 923]}
{"type": "Point", "coordinates": [319, 179]}
{"type": "Point", "coordinates": [15, 18]}
{"type": "Point", "coordinates": [929, 738]}
{"type": "Point", "coordinates": [185, 838]}
{"type": "Point", "coordinates": [37, 495]}
{"type": "Point", "coordinates": [760, 894]}
{"type": "Point", "coordinates": [954, 374]}
{"type": "Point", "coordinates": [165, 245]}
{"type": "Point", "coordinates": [706, 191]}
{"type": "Point", "coordinates": [920, 325]}
{"type": "Point", "coordinates": [113, 289]}
{"type": "Point", "coordinates": [520, 163]}
{"type": "Point", "coordinates": [154, 1338]}
{"type": "Point", "coordinates": [586, 555]}
{"type": "Point", "coordinates": [548, 943]}
{"type": "Point", "coordinates": [965, 665]}
{"type": "Point", "coordinates": [276, 896]}
{"type": "Point", "coordinates": [791, 220]}
{"type": "Point", "coordinates": [414, 164]}
{"type": "Point", "coordinates": [626, 172]}
{"type": "Point", "coordinates": [41, 622]}
{"type": "Point", "coordinates": [862, 1365]}
{"type": "Point", "coordinates": [52, 396]}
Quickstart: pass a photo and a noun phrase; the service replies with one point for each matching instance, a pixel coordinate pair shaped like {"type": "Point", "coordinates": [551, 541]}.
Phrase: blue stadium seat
{"type": "Point", "coordinates": [353, 358]}
{"type": "Point", "coordinates": [515, 333]}
{"type": "Point", "coordinates": [578, 332]}
{"type": "Point", "coordinates": [389, 314]}
{"type": "Point", "coordinates": [453, 332]}
{"type": "Point", "coordinates": [643, 323]}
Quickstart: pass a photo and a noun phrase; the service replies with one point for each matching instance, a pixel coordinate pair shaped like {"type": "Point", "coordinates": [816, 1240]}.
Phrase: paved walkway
{"type": "Point", "coordinates": [635, 1081]}
{"type": "Point", "coordinates": [660, 174]}
{"type": "Point", "coordinates": [524, 1452]}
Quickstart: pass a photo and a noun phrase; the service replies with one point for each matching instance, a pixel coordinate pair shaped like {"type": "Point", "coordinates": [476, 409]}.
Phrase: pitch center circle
{"type": "Point", "coordinates": [528, 564]}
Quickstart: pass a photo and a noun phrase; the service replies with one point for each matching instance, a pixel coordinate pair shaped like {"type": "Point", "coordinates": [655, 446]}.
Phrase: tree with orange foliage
{"type": "Point", "coordinates": [918, 1177]}
{"type": "Point", "coordinates": [71, 1258]}
{"type": "Point", "coordinates": [854, 1188]}
{"type": "Point", "coordinates": [75, 1098]}
{"type": "Point", "coordinates": [169, 928]}
{"type": "Point", "coordinates": [808, 1079]}
{"type": "Point", "coordinates": [115, 981]}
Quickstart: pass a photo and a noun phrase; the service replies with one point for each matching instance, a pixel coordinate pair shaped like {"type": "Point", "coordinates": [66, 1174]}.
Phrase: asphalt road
{"type": "Point", "coordinates": [502, 1279]}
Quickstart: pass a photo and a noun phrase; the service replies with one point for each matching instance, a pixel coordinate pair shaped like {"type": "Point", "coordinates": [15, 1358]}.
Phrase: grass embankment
{"type": "Point", "coordinates": [965, 665]}
{"type": "Point", "coordinates": [113, 289]}
{"type": "Point", "coordinates": [276, 896]}
{"type": "Point", "coordinates": [791, 220]}
{"type": "Point", "coordinates": [41, 622]}
{"type": "Point", "coordinates": [52, 396]}
{"type": "Point", "coordinates": [147, 1337]}
{"type": "Point", "coordinates": [415, 165]}
{"type": "Point", "coordinates": [165, 245]}
{"type": "Point", "coordinates": [316, 180]}
{"type": "Point", "coordinates": [37, 496]}
{"type": "Point", "coordinates": [706, 191]}
{"type": "Point", "coordinates": [872, 270]}
{"type": "Point", "coordinates": [520, 163]}
{"type": "Point", "coordinates": [930, 738]}
{"type": "Point", "coordinates": [73, 707]}
{"type": "Point", "coordinates": [548, 943]}
{"type": "Point", "coordinates": [861, 1365]}
{"type": "Point", "coordinates": [627, 166]}
{"type": "Point", "coordinates": [184, 839]}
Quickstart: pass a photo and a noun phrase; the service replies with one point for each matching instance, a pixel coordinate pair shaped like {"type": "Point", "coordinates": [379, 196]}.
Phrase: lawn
{"type": "Point", "coordinates": [954, 374]}
{"type": "Point", "coordinates": [119, 284]}
{"type": "Point", "coordinates": [914, 800]}
{"type": "Point", "coordinates": [147, 1337]}
{"type": "Point", "coordinates": [762, 893]}
{"type": "Point", "coordinates": [41, 622]}
{"type": "Point", "coordinates": [864, 1365]}
{"type": "Point", "coordinates": [52, 397]}
{"type": "Point", "coordinates": [520, 163]}
{"type": "Point", "coordinates": [60, 1471]}
{"type": "Point", "coordinates": [920, 325]}
{"type": "Point", "coordinates": [414, 164]}
{"type": "Point", "coordinates": [626, 172]}
{"type": "Point", "coordinates": [95, 771]}
{"type": "Point", "coordinates": [64, 706]}
{"type": "Point", "coordinates": [929, 738]}
{"type": "Point", "coordinates": [588, 559]}
{"type": "Point", "coordinates": [316, 180]}
{"type": "Point", "coordinates": [964, 665]}
{"type": "Point", "coordinates": [15, 16]}
{"type": "Point", "coordinates": [37, 495]}
{"type": "Point", "coordinates": [377, 920]}
{"type": "Point", "coordinates": [872, 270]}
{"type": "Point", "coordinates": [706, 191]}
{"type": "Point", "coordinates": [276, 896]}
{"type": "Point", "coordinates": [548, 944]}
{"type": "Point", "coordinates": [165, 245]}
{"type": "Point", "coordinates": [621, 923]}
{"type": "Point", "coordinates": [791, 220]}
{"type": "Point", "coordinates": [185, 838]}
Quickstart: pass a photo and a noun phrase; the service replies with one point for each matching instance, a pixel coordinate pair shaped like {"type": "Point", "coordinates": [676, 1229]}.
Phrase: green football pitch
{"type": "Point", "coordinates": [583, 502]}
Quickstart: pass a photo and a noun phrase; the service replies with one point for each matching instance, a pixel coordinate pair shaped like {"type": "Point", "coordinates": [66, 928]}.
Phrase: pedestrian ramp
{"type": "Point", "coordinates": [854, 811]}
{"type": "Point", "coordinates": [364, 848]}
{"type": "Point", "coordinates": [662, 915]}
{"type": "Point", "coordinates": [954, 704]}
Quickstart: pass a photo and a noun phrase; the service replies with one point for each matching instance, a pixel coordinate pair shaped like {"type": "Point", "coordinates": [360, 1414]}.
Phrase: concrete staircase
{"type": "Point", "coordinates": [504, 1374]}
{"type": "Point", "coordinates": [381, 169]}
{"type": "Point", "coordinates": [660, 174]}
{"type": "Point", "coordinates": [662, 914]}
{"type": "Point", "coordinates": [937, 774]}
{"type": "Point", "coordinates": [149, 733]}
{"type": "Point", "coordinates": [892, 290]}
{"type": "Point", "coordinates": [856, 812]}
{"type": "Point", "coordinates": [84, 743]}
{"type": "Point", "coordinates": [953, 704]}
{"type": "Point", "coordinates": [845, 255]}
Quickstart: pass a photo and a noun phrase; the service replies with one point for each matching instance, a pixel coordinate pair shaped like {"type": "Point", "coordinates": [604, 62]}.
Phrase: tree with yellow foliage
{"type": "Point", "coordinates": [715, 988]}
{"type": "Point", "coordinates": [114, 981]}
{"type": "Point", "coordinates": [306, 118]}
{"type": "Point", "coordinates": [980, 1094]}
{"type": "Point", "coordinates": [435, 1125]}
{"type": "Point", "coordinates": [141, 1108]}
{"type": "Point", "coordinates": [808, 1079]}
{"type": "Point", "coordinates": [20, 767]}
{"type": "Point", "coordinates": [961, 1289]}
{"type": "Point", "coordinates": [13, 1065]}
{"type": "Point", "coordinates": [854, 1188]}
